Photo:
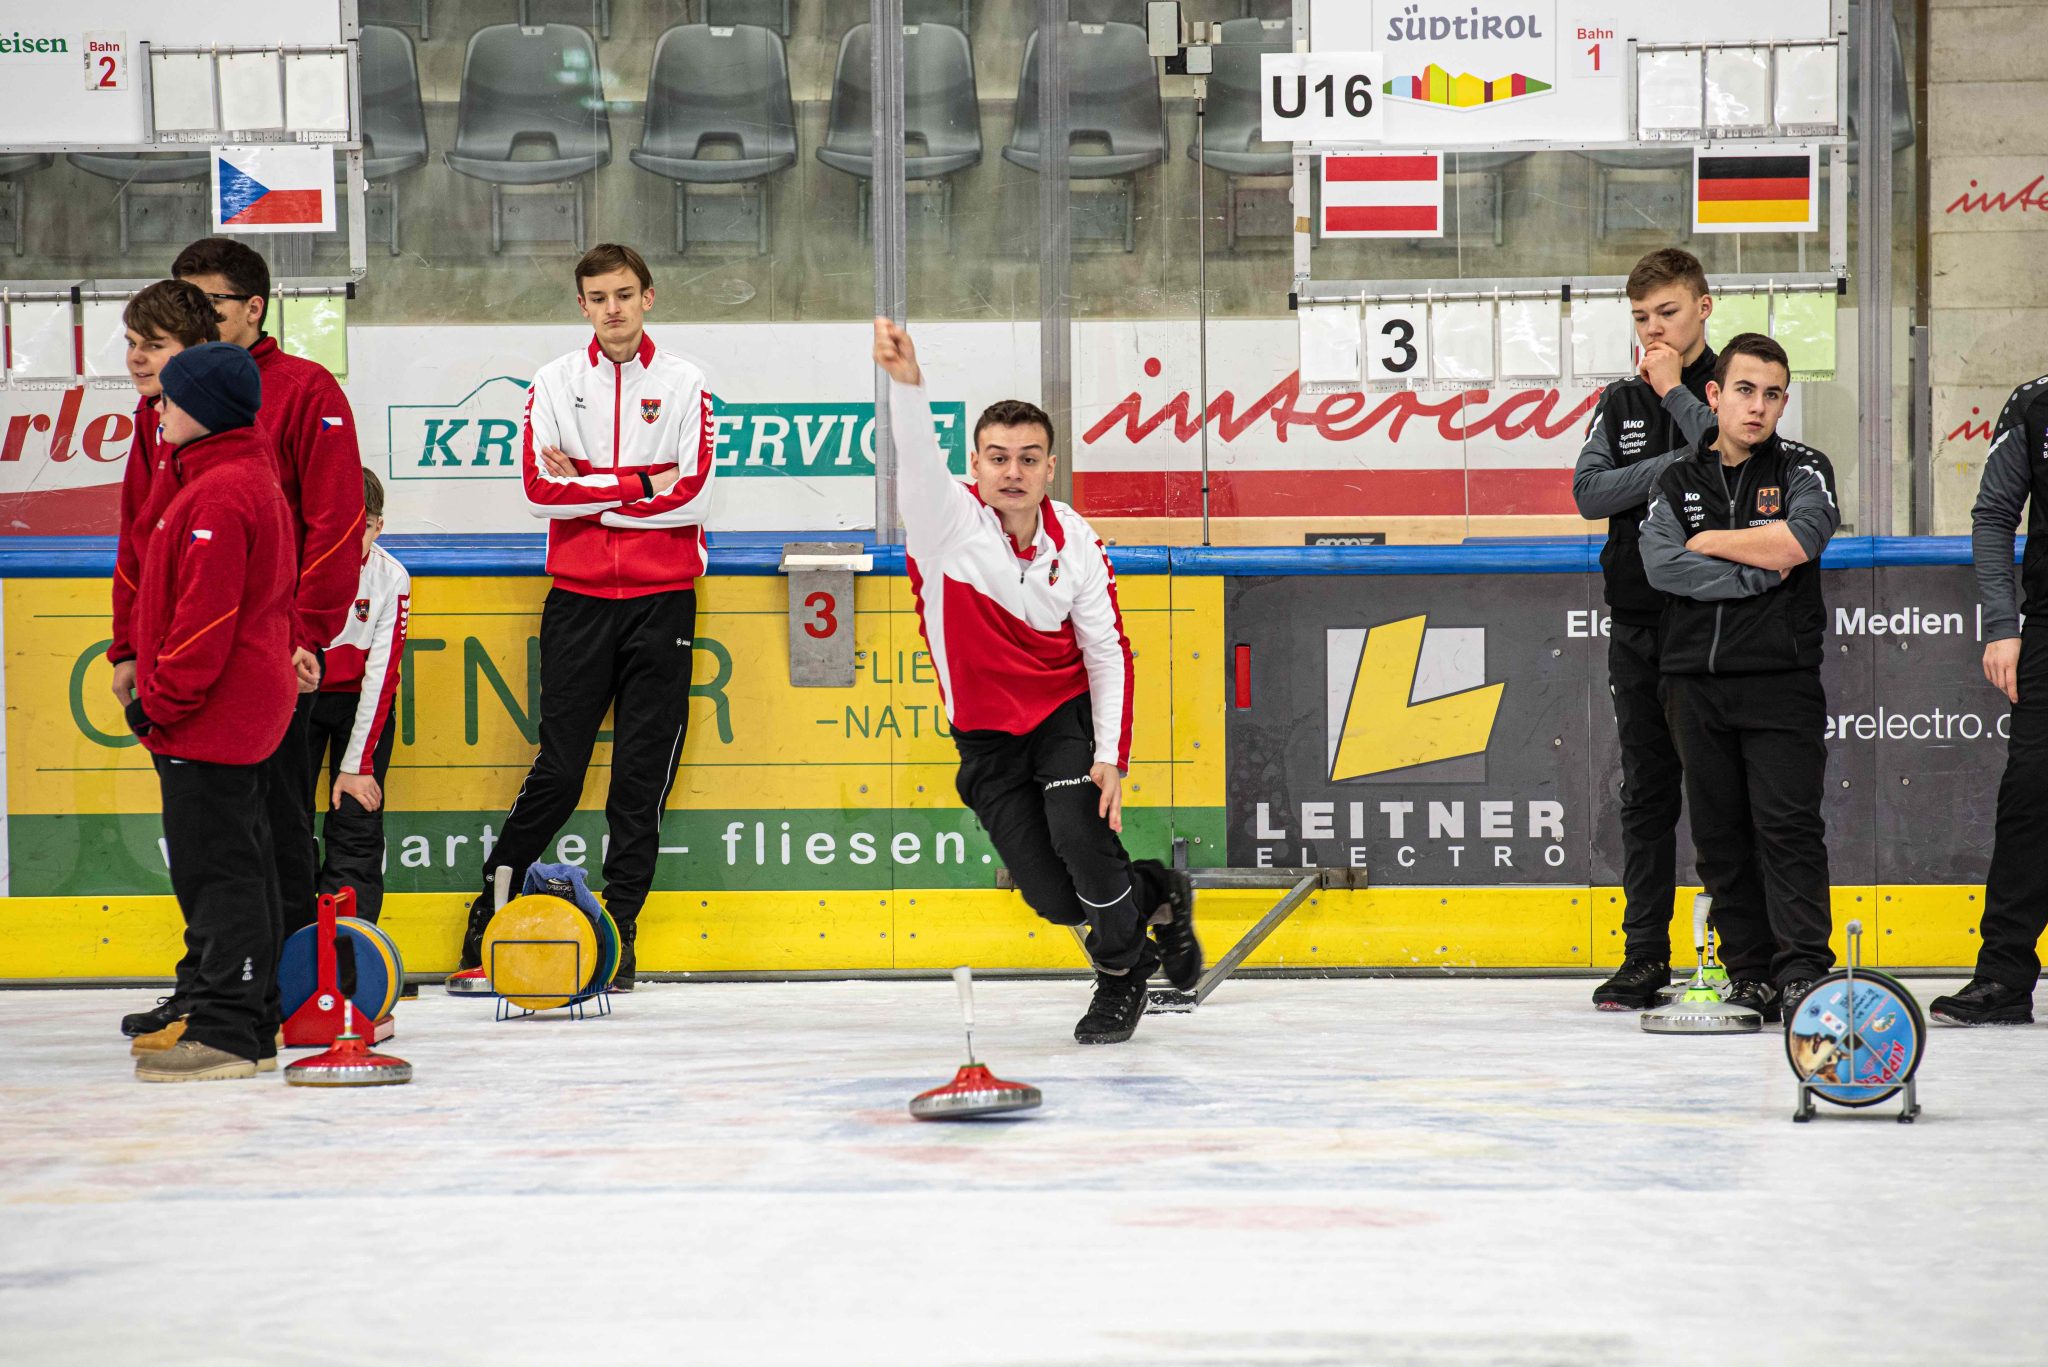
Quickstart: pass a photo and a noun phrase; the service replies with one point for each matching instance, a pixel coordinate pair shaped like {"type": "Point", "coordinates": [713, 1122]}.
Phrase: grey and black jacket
{"type": "Point", "coordinates": [1632, 436]}
{"type": "Point", "coordinates": [1725, 618]}
{"type": "Point", "coordinates": [2015, 471]}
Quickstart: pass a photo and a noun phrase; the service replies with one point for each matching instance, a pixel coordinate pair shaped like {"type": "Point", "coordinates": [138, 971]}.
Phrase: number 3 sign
{"type": "Point", "coordinates": [1320, 97]}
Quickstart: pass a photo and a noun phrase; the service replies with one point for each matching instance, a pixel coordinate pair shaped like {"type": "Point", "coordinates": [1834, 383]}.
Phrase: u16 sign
{"type": "Point", "coordinates": [1321, 97]}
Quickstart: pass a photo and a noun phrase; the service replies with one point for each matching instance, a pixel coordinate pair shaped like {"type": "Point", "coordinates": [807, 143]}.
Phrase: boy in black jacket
{"type": "Point", "coordinates": [1735, 534]}
{"type": "Point", "coordinates": [1641, 425]}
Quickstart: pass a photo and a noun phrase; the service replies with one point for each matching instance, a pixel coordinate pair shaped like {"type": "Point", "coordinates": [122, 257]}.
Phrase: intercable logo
{"type": "Point", "coordinates": [1404, 694]}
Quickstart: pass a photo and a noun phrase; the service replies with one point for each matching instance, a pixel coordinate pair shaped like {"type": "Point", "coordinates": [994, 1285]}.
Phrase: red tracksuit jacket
{"type": "Point", "coordinates": [146, 487]}
{"type": "Point", "coordinates": [213, 610]}
{"type": "Point", "coordinates": [312, 432]}
{"type": "Point", "coordinates": [609, 535]}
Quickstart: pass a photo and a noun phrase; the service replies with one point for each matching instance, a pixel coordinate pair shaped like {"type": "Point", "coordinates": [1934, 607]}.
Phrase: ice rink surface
{"type": "Point", "coordinates": [1338, 1172]}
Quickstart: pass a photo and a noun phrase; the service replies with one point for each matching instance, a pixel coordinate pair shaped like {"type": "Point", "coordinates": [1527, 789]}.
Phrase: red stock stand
{"type": "Point", "coordinates": [318, 1023]}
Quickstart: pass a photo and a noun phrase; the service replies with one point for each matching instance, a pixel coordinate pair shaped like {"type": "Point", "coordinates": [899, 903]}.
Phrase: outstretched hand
{"type": "Point", "coordinates": [895, 353]}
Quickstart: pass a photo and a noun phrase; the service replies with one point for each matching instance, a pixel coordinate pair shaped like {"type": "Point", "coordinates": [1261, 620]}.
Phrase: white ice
{"type": "Point", "coordinates": [1402, 1172]}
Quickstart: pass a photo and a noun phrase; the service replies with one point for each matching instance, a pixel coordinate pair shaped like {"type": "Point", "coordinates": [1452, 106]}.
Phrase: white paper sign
{"type": "Point", "coordinates": [1397, 343]}
{"type": "Point", "coordinates": [1321, 97]}
{"type": "Point", "coordinates": [1738, 88]}
{"type": "Point", "coordinates": [1669, 86]}
{"type": "Point", "coordinates": [106, 338]}
{"type": "Point", "coordinates": [1329, 344]}
{"type": "Point", "coordinates": [41, 342]}
{"type": "Point", "coordinates": [1461, 343]}
{"type": "Point", "coordinates": [1603, 339]}
{"type": "Point", "coordinates": [1806, 87]}
{"type": "Point", "coordinates": [1529, 340]}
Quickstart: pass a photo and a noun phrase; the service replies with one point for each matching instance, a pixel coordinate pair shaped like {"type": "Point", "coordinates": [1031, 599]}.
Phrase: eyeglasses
{"type": "Point", "coordinates": [231, 298]}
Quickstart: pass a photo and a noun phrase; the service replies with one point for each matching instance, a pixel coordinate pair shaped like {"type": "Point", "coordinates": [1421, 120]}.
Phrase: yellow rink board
{"type": "Point", "coordinates": [783, 932]}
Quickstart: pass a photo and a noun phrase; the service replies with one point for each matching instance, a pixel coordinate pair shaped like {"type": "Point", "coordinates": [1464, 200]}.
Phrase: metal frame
{"type": "Point", "coordinates": [1056, 232]}
{"type": "Point", "coordinates": [1874, 269]}
{"type": "Point", "coordinates": [890, 219]}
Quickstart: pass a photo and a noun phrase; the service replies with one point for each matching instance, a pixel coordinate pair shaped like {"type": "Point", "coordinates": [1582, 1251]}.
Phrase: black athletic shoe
{"type": "Point", "coordinates": [1634, 986]}
{"type": "Point", "coordinates": [1757, 995]}
{"type": "Point", "coordinates": [480, 913]}
{"type": "Point", "coordinates": [1118, 1003]}
{"type": "Point", "coordinates": [1790, 995]}
{"type": "Point", "coordinates": [158, 1017]}
{"type": "Point", "coordinates": [622, 981]}
{"type": "Point", "coordinates": [1180, 953]}
{"type": "Point", "coordinates": [1984, 1002]}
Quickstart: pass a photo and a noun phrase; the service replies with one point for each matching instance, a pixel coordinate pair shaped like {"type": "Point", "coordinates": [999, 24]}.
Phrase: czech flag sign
{"type": "Point", "coordinates": [282, 188]}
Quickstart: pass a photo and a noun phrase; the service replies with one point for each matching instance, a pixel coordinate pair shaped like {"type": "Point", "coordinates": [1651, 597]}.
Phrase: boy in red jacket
{"type": "Point", "coordinates": [307, 421]}
{"type": "Point", "coordinates": [162, 320]}
{"type": "Point", "coordinates": [214, 697]}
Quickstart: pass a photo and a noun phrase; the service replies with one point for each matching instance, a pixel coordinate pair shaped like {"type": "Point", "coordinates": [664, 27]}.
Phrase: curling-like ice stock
{"type": "Point", "coordinates": [1428, 1173]}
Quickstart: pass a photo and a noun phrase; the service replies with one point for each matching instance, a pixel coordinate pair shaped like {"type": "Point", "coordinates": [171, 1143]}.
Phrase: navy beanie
{"type": "Point", "coordinates": [216, 383]}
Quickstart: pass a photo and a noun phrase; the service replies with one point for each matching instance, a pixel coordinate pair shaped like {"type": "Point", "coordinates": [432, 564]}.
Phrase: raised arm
{"type": "Point", "coordinates": [936, 507]}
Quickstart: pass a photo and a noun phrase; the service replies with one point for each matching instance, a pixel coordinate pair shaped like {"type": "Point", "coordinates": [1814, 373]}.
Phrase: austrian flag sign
{"type": "Point", "coordinates": [273, 189]}
{"type": "Point", "coordinates": [1383, 194]}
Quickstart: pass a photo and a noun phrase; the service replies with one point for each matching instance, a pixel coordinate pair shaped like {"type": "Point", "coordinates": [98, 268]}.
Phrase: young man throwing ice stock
{"type": "Point", "coordinates": [1017, 602]}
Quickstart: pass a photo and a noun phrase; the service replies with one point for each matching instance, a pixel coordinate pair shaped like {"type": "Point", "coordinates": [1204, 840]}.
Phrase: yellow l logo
{"type": "Point", "coordinates": [1383, 731]}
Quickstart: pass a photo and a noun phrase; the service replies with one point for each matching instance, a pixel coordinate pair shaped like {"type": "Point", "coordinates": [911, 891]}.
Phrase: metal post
{"type": "Point", "coordinates": [1873, 40]}
{"type": "Point", "coordinates": [1202, 278]}
{"type": "Point", "coordinates": [1056, 238]}
{"type": "Point", "coordinates": [889, 217]}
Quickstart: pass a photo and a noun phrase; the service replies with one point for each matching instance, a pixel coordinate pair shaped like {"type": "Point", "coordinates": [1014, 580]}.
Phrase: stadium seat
{"type": "Point", "coordinates": [152, 218]}
{"type": "Point", "coordinates": [394, 121]}
{"type": "Point", "coordinates": [718, 91]}
{"type": "Point", "coordinates": [1116, 125]}
{"type": "Point", "coordinates": [526, 88]}
{"type": "Point", "coordinates": [1233, 145]}
{"type": "Point", "coordinates": [941, 109]}
{"type": "Point", "coordinates": [12, 171]}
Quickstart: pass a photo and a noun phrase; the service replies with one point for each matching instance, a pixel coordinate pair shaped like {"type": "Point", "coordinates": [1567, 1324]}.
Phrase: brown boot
{"type": "Point", "coordinates": [148, 1046]}
{"type": "Point", "coordinates": [191, 1061]}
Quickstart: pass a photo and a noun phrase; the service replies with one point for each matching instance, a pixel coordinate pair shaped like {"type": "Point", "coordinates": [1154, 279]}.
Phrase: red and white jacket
{"type": "Point", "coordinates": [364, 658]}
{"type": "Point", "coordinates": [1014, 633]}
{"type": "Point", "coordinates": [609, 534]}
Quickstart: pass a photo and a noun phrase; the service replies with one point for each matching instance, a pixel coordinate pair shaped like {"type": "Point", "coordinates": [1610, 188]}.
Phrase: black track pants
{"type": "Point", "coordinates": [216, 832]}
{"type": "Point", "coordinates": [352, 836]}
{"type": "Point", "coordinates": [1755, 768]}
{"type": "Point", "coordinates": [2016, 892]}
{"type": "Point", "coordinates": [631, 657]}
{"type": "Point", "coordinates": [1652, 790]}
{"type": "Point", "coordinates": [1033, 796]}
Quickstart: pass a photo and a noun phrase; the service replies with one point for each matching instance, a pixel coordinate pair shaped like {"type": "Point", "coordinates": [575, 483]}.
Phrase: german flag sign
{"type": "Point", "coordinates": [1772, 189]}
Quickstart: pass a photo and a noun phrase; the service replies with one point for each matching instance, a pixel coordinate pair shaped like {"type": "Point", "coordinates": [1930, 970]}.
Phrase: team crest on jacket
{"type": "Point", "coordinates": [1052, 574]}
{"type": "Point", "coordinates": [1767, 500]}
{"type": "Point", "coordinates": [362, 609]}
{"type": "Point", "coordinates": [650, 409]}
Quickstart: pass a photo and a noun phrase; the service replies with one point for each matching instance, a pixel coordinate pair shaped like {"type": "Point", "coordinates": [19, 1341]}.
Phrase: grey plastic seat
{"type": "Point", "coordinates": [1106, 12]}
{"type": "Point", "coordinates": [773, 14]}
{"type": "Point", "coordinates": [941, 110]}
{"type": "Point", "coordinates": [953, 13]}
{"type": "Point", "coordinates": [144, 168]}
{"type": "Point", "coordinates": [1232, 134]}
{"type": "Point", "coordinates": [717, 89]}
{"type": "Point", "coordinates": [394, 121]}
{"type": "Point", "coordinates": [1113, 99]}
{"type": "Point", "coordinates": [396, 13]}
{"type": "Point", "coordinates": [526, 86]}
{"type": "Point", "coordinates": [595, 14]}
{"type": "Point", "coordinates": [13, 170]}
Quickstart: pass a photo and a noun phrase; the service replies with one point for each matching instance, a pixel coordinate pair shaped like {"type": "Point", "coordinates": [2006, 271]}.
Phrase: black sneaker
{"type": "Point", "coordinates": [158, 1017]}
{"type": "Point", "coordinates": [1180, 953]}
{"type": "Point", "coordinates": [1118, 1003]}
{"type": "Point", "coordinates": [1984, 1002]}
{"type": "Point", "coordinates": [480, 913]}
{"type": "Point", "coordinates": [622, 981]}
{"type": "Point", "coordinates": [1791, 994]}
{"type": "Point", "coordinates": [1756, 994]}
{"type": "Point", "coordinates": [1635, 984]}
